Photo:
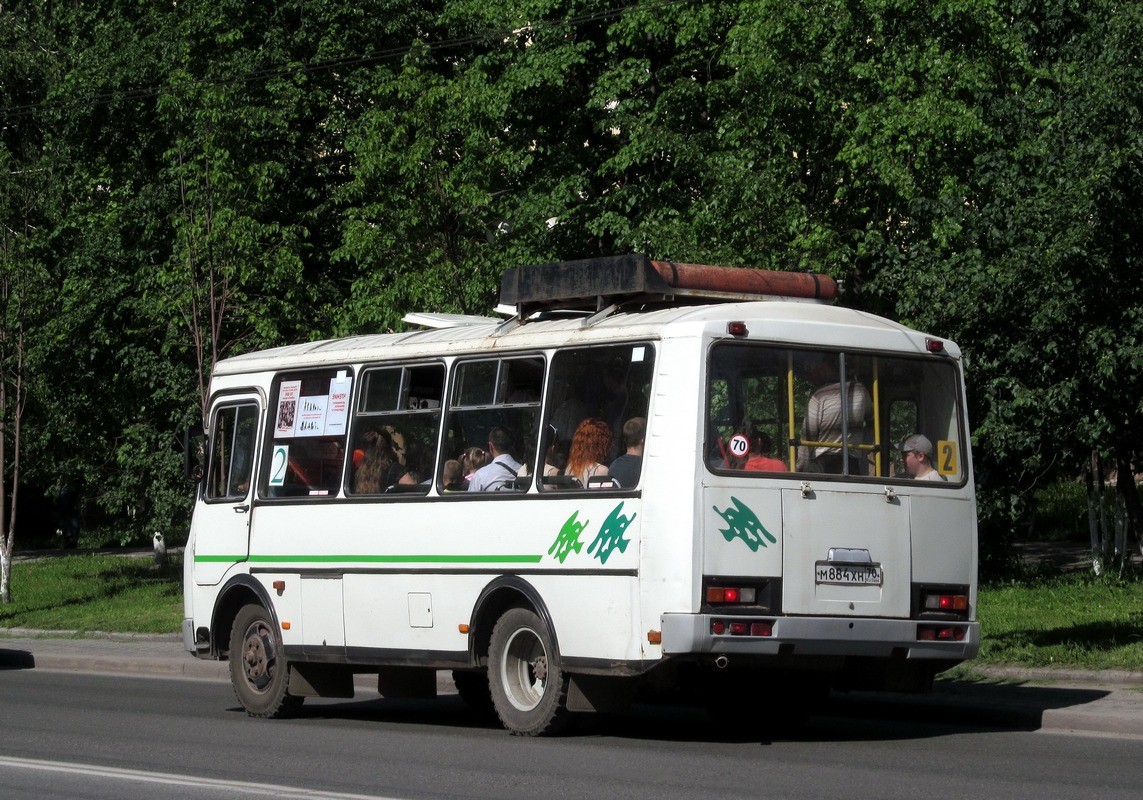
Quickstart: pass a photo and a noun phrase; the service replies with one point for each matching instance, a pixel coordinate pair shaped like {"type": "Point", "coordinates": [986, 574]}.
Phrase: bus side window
{"type": "Point", "coordinates": [232, 452]}
{"type": "Point", "coordinates": [306, 455]}
{"type": "Point", "coordinates": [501, 395]}
{"type": "Point", "coordinates": [595, 391]}
{"type": "Point", "coordinates": [395, 430]}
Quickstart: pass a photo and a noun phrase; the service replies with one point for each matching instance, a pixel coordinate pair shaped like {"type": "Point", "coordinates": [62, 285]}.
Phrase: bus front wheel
{"type": "Point", "coordinates": [528, 686]}
{"type": "Point", "coordinates": [258, 669]}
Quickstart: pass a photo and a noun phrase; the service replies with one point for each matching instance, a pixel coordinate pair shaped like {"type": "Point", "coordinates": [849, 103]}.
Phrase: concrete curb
{"type": "Point", "coordinates": [1097, 677]}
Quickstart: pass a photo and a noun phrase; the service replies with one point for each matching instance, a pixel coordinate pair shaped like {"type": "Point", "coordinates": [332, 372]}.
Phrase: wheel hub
{"type": "Point", "coordinates": [540, 669]}
{"type": "Point", "coordinates": [258, 658]}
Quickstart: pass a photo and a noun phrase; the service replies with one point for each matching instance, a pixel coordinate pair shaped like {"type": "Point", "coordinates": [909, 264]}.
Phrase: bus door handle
{"type": "Point", "coordinates": [241, 509]}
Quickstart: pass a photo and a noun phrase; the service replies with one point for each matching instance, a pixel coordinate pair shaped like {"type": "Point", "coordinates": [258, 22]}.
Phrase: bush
{"type": "Point", "coordinates": [1059, 512]}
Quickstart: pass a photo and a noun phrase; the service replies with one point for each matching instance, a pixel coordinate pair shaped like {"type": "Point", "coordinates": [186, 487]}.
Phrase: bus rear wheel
{"type": "Point", "coordinates": [528, 686]}
{"type": "Point", "coordinates": [259, 672]}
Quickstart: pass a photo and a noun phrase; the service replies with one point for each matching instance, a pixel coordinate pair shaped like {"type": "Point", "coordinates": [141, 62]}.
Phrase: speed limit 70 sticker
{"type": "Point", "coordinates": [739, 446]}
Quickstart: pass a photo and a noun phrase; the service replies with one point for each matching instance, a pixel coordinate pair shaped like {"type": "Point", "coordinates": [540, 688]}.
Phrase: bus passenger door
{"type": "Point", "coordinates": [220, 530]}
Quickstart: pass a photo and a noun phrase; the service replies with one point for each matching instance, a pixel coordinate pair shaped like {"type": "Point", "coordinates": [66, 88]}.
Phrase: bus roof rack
{"type": "Point", "coordinates": [593, 284]}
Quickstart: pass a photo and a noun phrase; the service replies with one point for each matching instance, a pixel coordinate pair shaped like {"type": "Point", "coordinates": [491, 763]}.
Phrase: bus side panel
{"type": "Point", "coordinates": [393, 576]}
{"type": "Point", "coordinates": [671, 546]}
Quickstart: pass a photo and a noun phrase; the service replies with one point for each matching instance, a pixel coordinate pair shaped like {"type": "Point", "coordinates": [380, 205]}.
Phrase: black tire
{"type": "Point", "coordinates": [473, 690]}
{"type": "Point", "coordinates": [259, 672]}
{"type": "Point", "coordinates": [528, 686]}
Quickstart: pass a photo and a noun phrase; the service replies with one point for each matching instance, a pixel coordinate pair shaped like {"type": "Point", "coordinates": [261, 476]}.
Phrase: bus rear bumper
{"type": "Point", "coordinates": [823, 636]}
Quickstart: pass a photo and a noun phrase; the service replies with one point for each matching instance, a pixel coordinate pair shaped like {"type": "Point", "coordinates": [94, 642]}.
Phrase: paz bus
{"type": "Point", "coordinates": [768, 547]}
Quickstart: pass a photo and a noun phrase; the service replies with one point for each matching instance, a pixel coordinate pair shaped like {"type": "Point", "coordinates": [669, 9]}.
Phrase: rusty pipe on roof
{"type": "Point", "coordinates": [741, 280]}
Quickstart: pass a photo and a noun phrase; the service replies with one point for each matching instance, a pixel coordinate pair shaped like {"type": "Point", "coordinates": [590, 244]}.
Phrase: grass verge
{"type": "Point", "coordinates": [1071, 621]}
{"type": "Point", "coordinates": [86, 593]}
{"type": "Point", "coordinates": [1074, 621]}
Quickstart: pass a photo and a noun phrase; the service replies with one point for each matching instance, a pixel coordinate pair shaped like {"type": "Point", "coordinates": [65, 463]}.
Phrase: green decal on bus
{"type": "Point", "coordinates": [568, 539]}
{"type": "Point", "coordinates": [610, 535]}
{"type": "Point", "coordinates": [744, 524]}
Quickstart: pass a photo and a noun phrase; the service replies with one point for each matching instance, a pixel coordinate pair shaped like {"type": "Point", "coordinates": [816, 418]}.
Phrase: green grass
{"type": "Point", "coordinates": [95, 593]}
{"type": "Point", "coordinates": [1073, 621]}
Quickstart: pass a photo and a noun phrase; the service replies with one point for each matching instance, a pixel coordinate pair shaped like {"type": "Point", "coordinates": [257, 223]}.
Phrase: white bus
{"type": "Point", "coordinates": [755, 546]}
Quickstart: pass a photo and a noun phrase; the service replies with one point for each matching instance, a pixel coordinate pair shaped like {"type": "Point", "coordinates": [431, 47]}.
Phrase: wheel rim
{"type": "Point", "coordinates": [524, 671]}
{"type": "Point", "coordinates": [259, 659]}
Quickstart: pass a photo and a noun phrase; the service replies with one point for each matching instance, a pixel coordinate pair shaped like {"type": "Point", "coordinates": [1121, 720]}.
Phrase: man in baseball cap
{"type": "Point", "coordinates": [917, 451]}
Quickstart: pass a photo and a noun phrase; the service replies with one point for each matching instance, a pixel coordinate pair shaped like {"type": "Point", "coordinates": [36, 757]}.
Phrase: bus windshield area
{"type": "Point", "coordinates": [773, 410]}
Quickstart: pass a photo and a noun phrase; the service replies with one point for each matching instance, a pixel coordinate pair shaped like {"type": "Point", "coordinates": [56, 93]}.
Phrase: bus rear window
{"type": "Point", "coordinates": [780, 410]}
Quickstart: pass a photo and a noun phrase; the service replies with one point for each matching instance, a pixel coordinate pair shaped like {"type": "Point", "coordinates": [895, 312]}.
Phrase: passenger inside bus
{"type": "Point", "coordinates": [452, 477]}
{"type": "Point", "coordinates": [556, 459]}
{"type": "Point", "coordinates": [501, 472]}
{"type": "Point", "coordinates": [760, 459]}
{"type": "Point", "coordinates": [378, 466]}
{"type": "Point", "coordinates": [627, 467]}
{"type": "Point", "coordinates": [471, 460]}
{"type": "Point", "coordinates": [590, 448]}
{"type": "Point", "coordinates": [823, 421]}
{"type": "Point", "coordinates": [917, 451]}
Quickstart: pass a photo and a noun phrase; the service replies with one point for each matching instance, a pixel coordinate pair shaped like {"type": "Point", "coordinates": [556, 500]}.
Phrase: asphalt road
{"type": "Point", "coordinates": [72, 735]}
{"type": "Point", "coordinates": [1104, 702]}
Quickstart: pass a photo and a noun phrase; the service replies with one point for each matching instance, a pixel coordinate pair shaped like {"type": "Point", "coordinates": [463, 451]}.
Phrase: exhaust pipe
{"type": "Point", "coordinates": [722, 662]}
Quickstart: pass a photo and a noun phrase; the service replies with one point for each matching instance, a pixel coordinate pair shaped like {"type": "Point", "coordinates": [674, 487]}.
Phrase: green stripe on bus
{"type": "Point", "coordinates": [376, 559]}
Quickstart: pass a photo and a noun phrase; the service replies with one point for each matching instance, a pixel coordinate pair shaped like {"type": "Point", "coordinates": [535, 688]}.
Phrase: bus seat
{"type": "Point", "coordinates": [561, 482]}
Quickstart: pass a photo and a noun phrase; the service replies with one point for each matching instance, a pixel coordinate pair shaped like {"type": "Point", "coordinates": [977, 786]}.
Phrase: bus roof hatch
{"type": "Point", "coordinates": [592, 284]}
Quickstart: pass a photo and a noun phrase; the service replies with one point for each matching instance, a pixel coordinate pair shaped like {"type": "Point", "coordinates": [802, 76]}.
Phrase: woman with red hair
{"type": "Point", "coordinates": [590, 448]}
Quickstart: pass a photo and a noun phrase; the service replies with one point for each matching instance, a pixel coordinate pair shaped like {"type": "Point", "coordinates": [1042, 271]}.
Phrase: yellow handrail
{"type": "Point", "coordinates": [877, 417]}
{"type": "Point", "coordinates": [790, 395]}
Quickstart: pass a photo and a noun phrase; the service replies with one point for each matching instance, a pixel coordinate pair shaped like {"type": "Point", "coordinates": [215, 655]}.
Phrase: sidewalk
{"type": "Point", "coordinates": [1048, 700]}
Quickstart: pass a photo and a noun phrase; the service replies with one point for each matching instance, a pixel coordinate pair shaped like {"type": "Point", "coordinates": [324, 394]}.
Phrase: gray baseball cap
{"type": "Point", "coordinates": [917, 444]}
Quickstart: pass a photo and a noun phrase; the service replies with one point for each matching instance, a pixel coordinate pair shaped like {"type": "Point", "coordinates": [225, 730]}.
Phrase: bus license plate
{"type": "Point", "coordinates": [847, 574]}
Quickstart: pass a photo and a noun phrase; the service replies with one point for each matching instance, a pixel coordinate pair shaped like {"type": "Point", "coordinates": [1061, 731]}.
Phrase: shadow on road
{"type": "Point", "coordinates": [954, 708]}
{"type": "Point", "coordinates": [16, 659]}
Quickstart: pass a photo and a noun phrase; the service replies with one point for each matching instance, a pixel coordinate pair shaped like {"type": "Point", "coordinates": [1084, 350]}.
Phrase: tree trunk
{"type": "Point", "coordinates": [1125, 485]}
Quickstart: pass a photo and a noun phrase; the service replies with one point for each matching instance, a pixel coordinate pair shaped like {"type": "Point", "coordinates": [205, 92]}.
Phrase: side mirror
{"type": "Point", "coordinates": [194, 453]}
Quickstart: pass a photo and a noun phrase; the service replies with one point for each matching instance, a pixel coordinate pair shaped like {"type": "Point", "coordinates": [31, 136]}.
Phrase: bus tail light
{"type": "Point", "coordinates": [946, 602]}
{"type": "Point", "coordinates": [940, 633]}
{"type": "Point", "coordinates": [742, 627]}
{"type": "Point", "coordinates": [731, 594]}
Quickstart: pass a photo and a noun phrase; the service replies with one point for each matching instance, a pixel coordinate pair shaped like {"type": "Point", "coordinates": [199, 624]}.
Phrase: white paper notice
{"type": "Point", "coordinates": [311, 416]}
{"type": "Point", "coordinates": [288, 407]}
{"type": "Point", "coordinates": [337, 410]}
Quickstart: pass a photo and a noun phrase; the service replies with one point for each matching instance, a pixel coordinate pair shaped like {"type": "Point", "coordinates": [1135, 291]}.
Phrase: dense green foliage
{"type": "Point", "coordinates": [184, 181]}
